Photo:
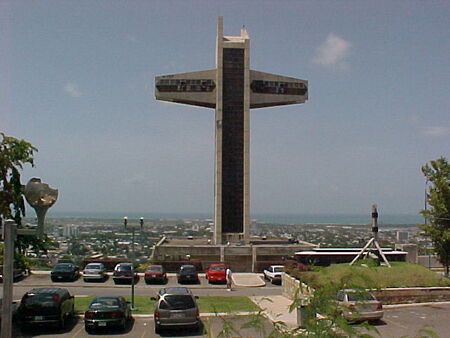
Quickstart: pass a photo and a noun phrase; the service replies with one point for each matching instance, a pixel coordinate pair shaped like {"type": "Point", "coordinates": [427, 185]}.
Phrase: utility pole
{"type": "Point", "coordinates": [9, 229]}
{"type": "Point", "coordinates": [10, 233]}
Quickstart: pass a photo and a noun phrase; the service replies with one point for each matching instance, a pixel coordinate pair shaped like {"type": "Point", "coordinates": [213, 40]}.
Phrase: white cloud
{"type": "Point", "coordinates": [436, 131]}
{"type": "Point", "coordinates": [72, 89]}
{"type": "Point", "coordinates": [333, 52]}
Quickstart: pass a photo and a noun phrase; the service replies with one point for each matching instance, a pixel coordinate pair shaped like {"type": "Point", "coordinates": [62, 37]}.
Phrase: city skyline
{"type": "Point", "coordinates": [78, 84]}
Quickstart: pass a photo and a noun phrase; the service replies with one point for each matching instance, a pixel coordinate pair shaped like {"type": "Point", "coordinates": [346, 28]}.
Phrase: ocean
{"type": "Point", "coordinates": [262, 218]}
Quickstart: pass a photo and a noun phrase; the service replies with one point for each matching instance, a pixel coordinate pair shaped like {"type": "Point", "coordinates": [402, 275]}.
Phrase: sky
{"type": "Point", "coordinates": [77, 81]}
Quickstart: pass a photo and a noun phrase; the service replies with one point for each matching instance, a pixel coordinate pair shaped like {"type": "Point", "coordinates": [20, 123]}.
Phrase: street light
{"type": "Point", "coordinates": [125, 223]}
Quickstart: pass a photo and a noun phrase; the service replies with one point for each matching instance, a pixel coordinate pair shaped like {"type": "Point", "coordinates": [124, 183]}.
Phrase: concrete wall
{"type": "Point", "coordinates": [290, 285]}
{"type": "Point", "coordinates": [429, 261]}
{"type": "Point", "coordinates": [412, 295]}
{"type": "Point", "coordinates": [412, 252]}
{"type": "Point", "coordinates": [386, 296]}
{"type": "Point", "coordinates": [246, 258]}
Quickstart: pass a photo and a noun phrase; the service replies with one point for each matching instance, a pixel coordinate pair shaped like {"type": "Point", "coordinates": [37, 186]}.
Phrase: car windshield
{"type": "Point", "coordinates": [217, 268]}
{"type": "Point", "coordinates": [359, 296]}
{"type": "Point", "coordinates": [154, 269]}
{"type": "Point", "coordinates": [42, 300]}
{"type": "Point", "coordinates": [93, 266]}
{"type": "Point", "coordinates": [62, 267]}
{"type": "Point", "coordinates": [124, 268]}
{"type": "Point", "coordinates": [187, 269]}
{"type": "Point", "coordinates": [278, 269]}
{"type": "Point", "coordinates": [177, 302]}
{"type": "Point", "coordinates": [101, 303]}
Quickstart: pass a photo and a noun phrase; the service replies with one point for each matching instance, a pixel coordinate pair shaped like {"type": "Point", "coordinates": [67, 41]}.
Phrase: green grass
{"type": "Point", "coordinates": [400, 275]}
{"type": "Point", "coordinates": [143, 304]}
{"type": "Point", "coordinates": [206, 304]}
{"type": "Point", "coordinates": [226, 304]}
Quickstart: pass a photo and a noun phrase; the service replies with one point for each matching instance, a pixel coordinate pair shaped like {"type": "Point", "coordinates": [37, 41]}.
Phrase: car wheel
{"type": "Point", "coordinates": [157, 329]}
{"type": "Point", "coordinates": [88, 329]}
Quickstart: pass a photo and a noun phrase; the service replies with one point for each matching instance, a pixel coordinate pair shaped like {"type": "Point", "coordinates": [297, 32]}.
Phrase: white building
{"type": "Point", "coordinates": [71, 230]}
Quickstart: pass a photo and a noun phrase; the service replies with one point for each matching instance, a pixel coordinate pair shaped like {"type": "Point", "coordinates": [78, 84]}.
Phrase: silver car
{"type": "Point", "coordinates": [176, 308]}
{"type": "Point", "coordinates": [359, 305]}
{"type": "Point", "coordinates": [94, 271]}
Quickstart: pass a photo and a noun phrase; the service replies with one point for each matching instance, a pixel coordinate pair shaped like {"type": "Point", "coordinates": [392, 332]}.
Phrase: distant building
{"type": "Point", "coordinates": [402, 236]}
{"type": "Point", "coordinates": [71, 230]}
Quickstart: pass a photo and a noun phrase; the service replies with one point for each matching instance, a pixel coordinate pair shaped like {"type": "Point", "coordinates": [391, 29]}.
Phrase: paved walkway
{"type": "Point", "coordinates": [276, 308]}
{"type": "Point", "coordinates": [249, 280]}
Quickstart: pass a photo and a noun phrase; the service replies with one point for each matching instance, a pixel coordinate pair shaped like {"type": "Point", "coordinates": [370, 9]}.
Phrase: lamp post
{"type": "Point", "coordinates": [125, 223]}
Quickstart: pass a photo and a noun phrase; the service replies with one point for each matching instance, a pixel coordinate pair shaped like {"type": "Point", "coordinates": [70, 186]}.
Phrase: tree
{"type": "Point", "coordinates": [14, 154]}
{"type": "Point", "coordinates": [437, 173]}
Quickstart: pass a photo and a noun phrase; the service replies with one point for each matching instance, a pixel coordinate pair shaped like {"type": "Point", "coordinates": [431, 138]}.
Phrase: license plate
{"type": "Point", "coordinates": [177, 315]}
{"type": "Point", "coordinates": [102, 324]}
{"type": "Point", "coordinates": [38, 317]}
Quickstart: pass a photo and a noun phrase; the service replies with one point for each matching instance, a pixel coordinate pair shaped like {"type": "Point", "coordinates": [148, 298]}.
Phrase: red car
{"type": "Point", "coordinates": [155, 274]}
{"type": "Point", "coordinates": [216, 273]}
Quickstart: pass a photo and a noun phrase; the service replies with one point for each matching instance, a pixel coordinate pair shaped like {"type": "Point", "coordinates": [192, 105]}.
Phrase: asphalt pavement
{"type": "Point", "coordinates": [399, 320]}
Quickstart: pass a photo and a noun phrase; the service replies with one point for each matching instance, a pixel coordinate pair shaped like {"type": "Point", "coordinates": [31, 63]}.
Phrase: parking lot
{"type": "Point", "coordinates": [43, 279]}
{"type": "Point", "coordinates": [144, 328]}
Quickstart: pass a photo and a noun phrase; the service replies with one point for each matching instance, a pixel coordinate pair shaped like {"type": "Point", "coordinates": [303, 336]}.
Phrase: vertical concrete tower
{"type": "Point", "coordinates": [232, 89]}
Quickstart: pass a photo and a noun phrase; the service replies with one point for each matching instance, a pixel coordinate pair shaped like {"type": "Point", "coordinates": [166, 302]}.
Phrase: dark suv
{"type": "Point", "coordinates": [176, 308]}
{"type": "Point", "coordinates": [124, 273]}
{"type": "Point", "coordinates": [44, 306]}
{"type": "Point", "coordinates": [64, 271]}
{"type": "Point", "coordinates": [187, 274]}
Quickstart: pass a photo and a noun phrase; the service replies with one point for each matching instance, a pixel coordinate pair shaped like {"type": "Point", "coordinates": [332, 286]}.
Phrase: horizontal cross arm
{"type": "Point", "coordinates": [268, 90]}
{"type": "Point", "coordinates": [193, 88]}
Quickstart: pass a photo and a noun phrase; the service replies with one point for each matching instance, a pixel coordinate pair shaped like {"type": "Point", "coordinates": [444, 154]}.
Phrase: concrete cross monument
{"type": "Point", "coordinates": [232, 89]}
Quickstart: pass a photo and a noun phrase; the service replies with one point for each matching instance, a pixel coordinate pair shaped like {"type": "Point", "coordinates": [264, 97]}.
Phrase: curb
{"type": "Point", "coordinates": [394, 306]}
{"type": "Point", "coordinates": [68, 285]}
{"type": "Point", "coordinates": [206, 314]}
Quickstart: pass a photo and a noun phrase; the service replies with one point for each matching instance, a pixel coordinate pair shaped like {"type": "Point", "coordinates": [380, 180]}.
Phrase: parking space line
{"type": "Point", "coordinates": [78, 332]}
{"type": "Point", "coordinates": [395, 323]}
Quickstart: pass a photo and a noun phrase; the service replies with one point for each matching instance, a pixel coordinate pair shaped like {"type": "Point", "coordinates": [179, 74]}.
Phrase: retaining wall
{"type": "Point", "coordinates": [386, 296]}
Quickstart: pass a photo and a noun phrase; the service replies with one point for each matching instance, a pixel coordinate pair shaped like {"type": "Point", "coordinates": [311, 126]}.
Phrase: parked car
{"type": "Point", "coordinates": [273, 273]}
{"type": "Point", "coordinates": [18, 274]}
{"type": "Point", "coordinates": [107, 312]}
{"type": "Point", "coordinates": [187, 274]}
{"type": "Point", "coordinates": [65, 271]}
{"type": "Point", "coordinates": [176, 308]}
{"type": "Point", "coordinates": [124, 273]}
{"type": "Point", "coordinates": [155, 274]}
{"type": "Point", "coordinates": [216, 273]}
{"type": "Point", "coordinates": [94, 271]}
{"type": "Point", "coordinates": [44, 306]}
{"type": "Point", "coordinates": [357, 305]}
